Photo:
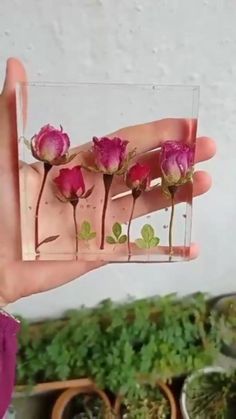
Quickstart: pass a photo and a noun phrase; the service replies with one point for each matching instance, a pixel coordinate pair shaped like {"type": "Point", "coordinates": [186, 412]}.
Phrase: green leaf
{"type": "Point", "coordinates": [154, 242]}
{"type": "Point", "coordinates": [141, 243]}
{"type": "Point", "coordinates": [85, 227]}
{"type": "Point", "coordinates": [117, 230]}
{"type": "Point", "coordinates": [122, 239]}
{"type": "Point", "coordinates": [110, 240]}
{"type": "Point", "coordinates": [147, 232]}
{"type": "Point", "coordinates": [49, 239]}
{"type": "Point", "coordinates": [92, 235]}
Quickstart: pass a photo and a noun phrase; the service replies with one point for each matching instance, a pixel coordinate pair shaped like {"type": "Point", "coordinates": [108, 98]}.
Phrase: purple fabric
{"type": "Point", "coordinates": [8, 348]}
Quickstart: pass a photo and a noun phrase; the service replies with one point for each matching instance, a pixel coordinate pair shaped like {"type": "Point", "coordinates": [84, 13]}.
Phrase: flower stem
{"type": "Point", "coordinates": [47, 168]}
{"type": "Point", "coordinates": [76, 229]}
{"type": "Point", "coordinates": [172, 190]}
{"type": "Point", "coordinates": [107, 180]}
{"type": "Point", "coordinates": [135, 193]}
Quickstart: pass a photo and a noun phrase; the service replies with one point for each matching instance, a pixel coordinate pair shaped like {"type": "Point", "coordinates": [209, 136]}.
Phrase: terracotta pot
{"type": "Point", "coordinates": [65, 398]}
{"type": "Point", "coordinates": [167, 393]}
{"type": "Point", "coordinates": [53, 386]}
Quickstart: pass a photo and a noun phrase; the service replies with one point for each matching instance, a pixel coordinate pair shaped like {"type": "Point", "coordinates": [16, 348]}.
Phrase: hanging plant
{"type": "Point", "coordinates": [109, 157]}
{"type": "Point", "coordinates": [176, 162]}
{"type": "Point", "coordinates": [71, 186]}
{"type": "Point", "coordinates": [137, 179]}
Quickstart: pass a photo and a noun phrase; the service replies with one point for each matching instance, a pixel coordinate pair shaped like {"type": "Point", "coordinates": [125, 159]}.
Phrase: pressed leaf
{"type": "Point", "coordinates": [141, 243]}
{"type": "Point", "coordinates": [27, 143]}
{"type": "Point", "coordinates": [92, 235]}
{"type": "Point", "coordinates": [122, 239]}
{"type": "Point", "coordinates": [154, 242]}
{"type": "Point", "coordinates": [117, 230]}
{"type": "Point", "coordinates": [110, 240]}
{"type": "Point", "coordinates": [85, 227]}
{"type": "Point", "coordinates": [48, 239]}
{"type": "Point", "coordinates": [88, 193]}
{"type": "Point", "coordinates": [147, 232]}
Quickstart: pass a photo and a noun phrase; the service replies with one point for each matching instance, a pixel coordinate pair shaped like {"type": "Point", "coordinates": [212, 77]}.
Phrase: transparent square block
{"type": "Point", "coordinates": [127, 228]}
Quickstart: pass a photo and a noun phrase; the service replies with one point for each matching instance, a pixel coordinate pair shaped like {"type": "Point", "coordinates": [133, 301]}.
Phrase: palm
{"type": "Point", "coordinates": [24, 278]}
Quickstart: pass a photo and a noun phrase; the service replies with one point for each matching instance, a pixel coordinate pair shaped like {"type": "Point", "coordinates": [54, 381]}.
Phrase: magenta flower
{"type": "Point", "coordinates": [107, 156]}
{"type": "Point", "coordinates": [71, 186]}
{"type": "Point", "coordinates": [50, 145]}
{"type": "Point", "coordinates": [176, 162]}
{"type": "Point", "coordinates": [70, 183]}
{"type": "Point", "coordinates": [137, 179]}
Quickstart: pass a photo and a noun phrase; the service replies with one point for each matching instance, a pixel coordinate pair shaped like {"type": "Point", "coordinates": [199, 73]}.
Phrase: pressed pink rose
{"type": "Point", "coordinates": [70, 183]}
{"type": "Point", "coordinates": [50, 145]}
{"type": "Point", "coordinates": [176, 162]}
{"type": "Point", "coordinates": [138, 177]}
{"type": "Point", "coordinates": [109, 154]}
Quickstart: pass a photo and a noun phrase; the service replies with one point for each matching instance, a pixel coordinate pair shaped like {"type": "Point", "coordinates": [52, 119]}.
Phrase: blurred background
{"type": "Point", "coordinates": [169, 42]}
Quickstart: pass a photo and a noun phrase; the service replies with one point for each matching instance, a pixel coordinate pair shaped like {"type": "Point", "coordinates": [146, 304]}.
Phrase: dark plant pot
{"type": "Point", "coordinates": [60, 408]}
{"type": "Point", "coordinates": [167, 393]}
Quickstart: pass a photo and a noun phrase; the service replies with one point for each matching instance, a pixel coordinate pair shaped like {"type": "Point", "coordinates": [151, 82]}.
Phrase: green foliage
{"type": "Point", "coordinates": [148, 239]}
{"type": "Point", "coordinates": [147, 402]}
{"type": "Point", "coordinates": [212, 396]}
{"type": "Point", "coordinates": [120, 344]}
{"type": "Point", "coordinates": [118, 237]}
{"type": "Point", "coordinates": [86, 232]}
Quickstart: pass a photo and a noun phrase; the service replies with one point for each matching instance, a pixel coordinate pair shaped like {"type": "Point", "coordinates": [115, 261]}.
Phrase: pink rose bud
{"type": "Point", "coordinates": [138, 177]}
{"type": "Point", "coordinates": [70, 183]}
{"type": "Point", "coordinates": [109, 154]}
{"type": "Point", "coordinates": [50, 145]}
{"type": "Point", "coordinates": [176, 162]}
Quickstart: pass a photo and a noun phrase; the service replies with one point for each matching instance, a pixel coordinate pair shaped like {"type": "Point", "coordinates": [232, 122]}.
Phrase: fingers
{"type": "Point", "coordinates": [155, 199]}
{"type": "Point", "coordinates": [9, 192]}
{"type": "Point", "coordinates": [150, 135]}
{"type": "Point", "coordinates": [205, 150]}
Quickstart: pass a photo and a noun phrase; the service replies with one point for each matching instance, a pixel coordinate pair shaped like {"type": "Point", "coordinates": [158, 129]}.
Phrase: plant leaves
{"type": "Point", "coordinates": [86, 227]}
{"type": "Point", "coordinates": [147, 232]}
{"type": "Point", "coordinates": [48, 240]}
{"type": "Point", "coordinates": [27, 143]}
{"type": "Point", "coordinates": [88, 193]}
{"type": "Point", "coordinates": [92, 235]}
{"type": "Point", "coordinates": [154, 242]}
{"type": "Point", "coordinates": [117, 230]}
{"type": "Point", "coordinates": [141, 243]}
{"type": "Point", "coordinates": [110, 240]}
{"type": "Point", "coordinates": [122, 239]}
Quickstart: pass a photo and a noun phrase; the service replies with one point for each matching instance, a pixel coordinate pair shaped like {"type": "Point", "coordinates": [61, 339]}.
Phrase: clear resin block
{"type": "Point", "coordinates": [106, 171]}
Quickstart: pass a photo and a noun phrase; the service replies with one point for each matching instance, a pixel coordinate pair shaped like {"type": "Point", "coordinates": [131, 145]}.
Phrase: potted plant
{"type": "Point", "coordinates": [209, 393]}
{"type": "Point", "coordinates": [225, 307]}
{"type": "Point", "coordinates": [149, 402]}
{"type": "Point", "coordinates": [82, 403]}
{"type": "Point", "coordinates": [117, 346]}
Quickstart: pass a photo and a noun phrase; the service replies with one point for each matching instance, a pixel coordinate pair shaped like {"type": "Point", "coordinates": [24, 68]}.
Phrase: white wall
{"type": "Point", "coordinates": [166, 41]}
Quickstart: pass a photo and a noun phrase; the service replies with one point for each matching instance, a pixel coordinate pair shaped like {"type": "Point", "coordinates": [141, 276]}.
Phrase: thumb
{"type": "Point", "coordinates": [15, 72]}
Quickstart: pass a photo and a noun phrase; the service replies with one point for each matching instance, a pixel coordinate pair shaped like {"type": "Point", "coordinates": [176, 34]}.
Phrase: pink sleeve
{"type": "Point", "coordinates": [8, 348]}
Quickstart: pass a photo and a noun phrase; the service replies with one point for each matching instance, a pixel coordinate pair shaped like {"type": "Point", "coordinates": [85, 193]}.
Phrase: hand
{"type": "Point", "coordinates": [19, 279]}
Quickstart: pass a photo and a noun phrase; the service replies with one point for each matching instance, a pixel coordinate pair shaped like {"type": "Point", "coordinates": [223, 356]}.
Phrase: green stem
{"type": "Point", "coordinates": [76, 229]}
{"type": "Point", "coordinates": [47, 168]}
{"type": "Point", "coordinates": [107, 180]}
